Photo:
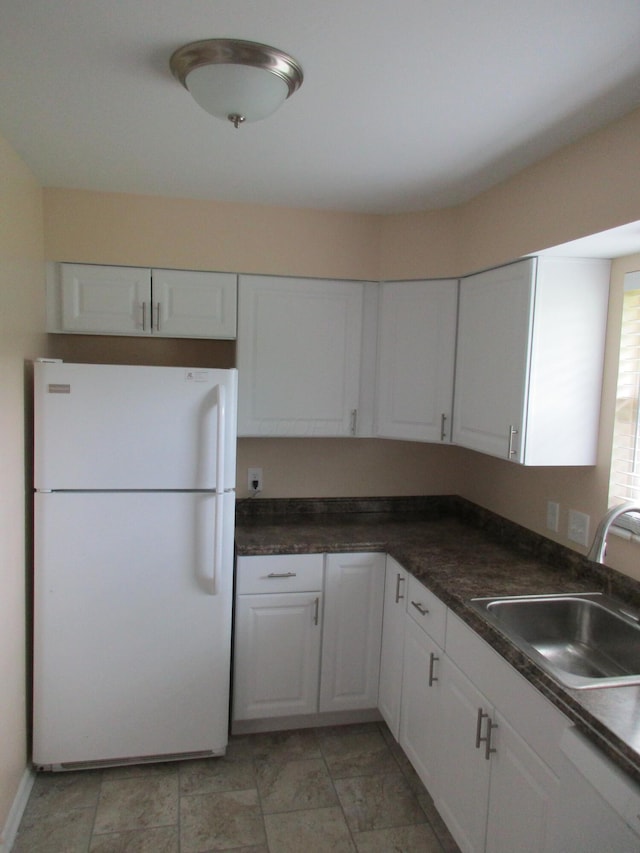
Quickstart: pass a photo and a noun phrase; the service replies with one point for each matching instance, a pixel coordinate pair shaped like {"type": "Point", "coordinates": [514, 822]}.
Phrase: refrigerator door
{"type": "Point", "coordinates": [127, 427]}
{"type": "Point", "coordinates": [131, 646]}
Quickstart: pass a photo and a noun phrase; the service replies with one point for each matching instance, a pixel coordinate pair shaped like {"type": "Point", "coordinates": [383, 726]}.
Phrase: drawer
{"type": "Point", "coordinates": [279, 573]}
{"type": "Point", "coordinates": [427, 610]}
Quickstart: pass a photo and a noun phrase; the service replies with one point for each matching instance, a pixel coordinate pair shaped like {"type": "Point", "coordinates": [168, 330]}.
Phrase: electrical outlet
{"type": "Point", "coordinates": [578, 527]}
{"type": "Point", "coordinates": [254, 480]}
{"type": "Point", "coordinates": [553, 516]}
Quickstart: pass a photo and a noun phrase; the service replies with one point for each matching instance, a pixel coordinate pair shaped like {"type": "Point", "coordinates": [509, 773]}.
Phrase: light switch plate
{"type": "Point", "coordinates": [578, 527]}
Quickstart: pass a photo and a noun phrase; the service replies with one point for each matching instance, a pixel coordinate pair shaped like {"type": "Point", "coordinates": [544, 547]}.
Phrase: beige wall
{"type": "Point", "coordinates": [113, 228]}
{"type": "Point", "coordinates": [21, 339]}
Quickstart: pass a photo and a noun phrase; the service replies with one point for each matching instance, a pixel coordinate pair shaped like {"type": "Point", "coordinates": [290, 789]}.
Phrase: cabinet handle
{"type": "Point", "coordinates": [316, 614]}
{"type": "Point", "coordinates": [354, 421]}
{"type": "Point", "coordinates": [443, 431]}
{"type": "Point", "coordinates": [157, 316]}
{"type": "Point", "coordinates": [281, 575]}
{"type": "Point", "coordinates": [512, 432]}
{"type": "Point", "coordinates": [399, 580]}
{"type": "Point", "coordinates": [418, 606]}
{"type": "Point", "coordinates": [432, 659]}
{"type": "Point", "coordinates": [144, 316]}
{"type": "Point", "coordinates": [488, 749]}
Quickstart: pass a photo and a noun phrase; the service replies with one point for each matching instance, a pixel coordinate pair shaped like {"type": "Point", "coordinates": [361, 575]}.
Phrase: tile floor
{"type": "Point", "coordinates": [347, 788]}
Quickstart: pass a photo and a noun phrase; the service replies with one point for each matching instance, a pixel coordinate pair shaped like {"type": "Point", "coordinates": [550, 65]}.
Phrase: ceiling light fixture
{"type": "Point", "coordinates": [237, 80]}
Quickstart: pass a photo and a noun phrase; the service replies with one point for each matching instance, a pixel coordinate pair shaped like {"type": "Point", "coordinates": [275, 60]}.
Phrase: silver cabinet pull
{"type": "Point", "coordinates": [443, 431]}
{"type": "Point", "coordinates": [144, 316]}
{"type": "Point", "coordinates": [399, 580]}
{"type": "Point", "coordinates": [316, 614]}
{"type": "Point", "coordinates": [432, 659]}
{"type": "Point", "coordinates": [418, 606]}
{"type": "Point", "coordinates": [512, 432]}
{"type": "Point", "coordinates": [281, 575]}
{"type": "Point", "coordinates": [157, 316]}
{"type": "Point", "coordinates": [488, 749]}
{"type": "Point", "coordinates": [354, 421]}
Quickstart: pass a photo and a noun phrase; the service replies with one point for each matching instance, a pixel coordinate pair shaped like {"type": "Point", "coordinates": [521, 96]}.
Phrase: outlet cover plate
{"type": "Point", "coordinates": [578, 527]}
{"type": "Point", "coordinates": [553, 516]}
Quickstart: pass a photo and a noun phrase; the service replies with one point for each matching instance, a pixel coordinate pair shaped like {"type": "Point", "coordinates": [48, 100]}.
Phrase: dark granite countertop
{"type": "Point", "coordinates": [461, 551]}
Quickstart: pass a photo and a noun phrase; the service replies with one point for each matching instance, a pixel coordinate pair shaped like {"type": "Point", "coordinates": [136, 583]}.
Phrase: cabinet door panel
{"type": "Point", "coordinates": [392, 650]}
{"type": "Point", "coordinates": [421, 712]}
{"type": "Point", "coordinates": [352, 631]}
{"type": "Point", "coordinates": [522, 795]}
{"type": "Point", "coordinates": [299, 343]}
{"type": "Point", "coordinates": [105, 300]}
{"type": "Point", "coordinates": [462, 792]}
{"type": "Point", "coordinates": [194, 304]}
{"type": "Point", "coordinates": [494, 330]}
{"type": "Point", "coordinates": [277, 655]}
{"type": "Point", "coordinates": [416, 351]}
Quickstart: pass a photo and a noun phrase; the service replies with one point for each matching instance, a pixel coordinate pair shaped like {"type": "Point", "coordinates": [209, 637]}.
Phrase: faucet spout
{"type": "Point", "coordinates": [598, 547]}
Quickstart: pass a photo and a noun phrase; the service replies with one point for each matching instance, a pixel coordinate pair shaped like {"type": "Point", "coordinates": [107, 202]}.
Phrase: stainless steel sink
{"type": "Point", "coordinates": [584, 641]}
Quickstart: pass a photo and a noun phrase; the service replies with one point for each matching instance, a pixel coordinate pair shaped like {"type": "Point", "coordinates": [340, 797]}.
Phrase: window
{"type": "Point", "coordinates": [624, 484]}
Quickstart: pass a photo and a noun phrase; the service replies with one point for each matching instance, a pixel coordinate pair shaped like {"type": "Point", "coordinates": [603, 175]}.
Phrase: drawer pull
{"type": "Point", "coordinates": [418, 606]}
{"type": "Point", "coordinates": [281, 575]}
{"type": "Point", "coordinates": [399, 580]}
{"type": "Point", "coordinates": [316, 615]}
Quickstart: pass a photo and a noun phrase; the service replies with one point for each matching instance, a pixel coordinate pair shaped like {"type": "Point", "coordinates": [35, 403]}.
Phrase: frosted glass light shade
{"type": "Point", "coordinates": [226, 90]}
{"type": "Point", "coordinates": [234, 79]}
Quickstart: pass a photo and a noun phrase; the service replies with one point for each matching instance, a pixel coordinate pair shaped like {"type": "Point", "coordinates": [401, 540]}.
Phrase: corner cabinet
{"type": "Point", "coordinates": [104, 300]}
{"type": "Point", "coordinates": [529, 360]}
{"type": "Point", "coordinates": [392, 649]}
{"type": "Point", "coordinates": [416, 355]}
{"type": "Point", "coordinates": [299, 356]}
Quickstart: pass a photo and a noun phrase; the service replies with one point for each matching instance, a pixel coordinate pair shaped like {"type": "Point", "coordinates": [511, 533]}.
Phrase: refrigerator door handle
{"type": "Point", "coordinates": [219, 511]}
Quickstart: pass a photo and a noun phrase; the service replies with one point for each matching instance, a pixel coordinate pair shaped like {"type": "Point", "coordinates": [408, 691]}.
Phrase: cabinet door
{"type": "Point", "coordinates": [299, 343]}
{"type": "Point", "coordinates": [462, 791]}
{"type": "Point", "coordinates": [522, 795]}
{"type": "Point", "coordinates": [392, 650]}
{"type": "Point", "coordinates": [421, 714]}
{"type": "Point", "coordinates": [194, 304]}
{"type": "Point", "coordinates": [416, 352]}
{"type": "Point", "coordinates": [105, 300]}
{"type": "Point", "coordinates": [354, 589]}
{"type": "Point", "coordinates": [494, 332]}
{"type": "Point", "coordinates": [277, 654]}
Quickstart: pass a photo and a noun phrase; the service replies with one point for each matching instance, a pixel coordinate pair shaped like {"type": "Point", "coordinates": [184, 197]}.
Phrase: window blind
{"type": "Point", "coordinates": [624, 483]}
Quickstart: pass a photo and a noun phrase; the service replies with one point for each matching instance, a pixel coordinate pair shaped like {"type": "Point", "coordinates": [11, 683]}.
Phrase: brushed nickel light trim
{"type": "Point", "coordinates": [198, 54]}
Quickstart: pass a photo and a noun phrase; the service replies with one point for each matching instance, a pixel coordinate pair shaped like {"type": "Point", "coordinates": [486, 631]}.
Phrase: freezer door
{"type": "Point", "coordinates": [131, 646]}
{"type": "Point", "coordinates": [128, 427]}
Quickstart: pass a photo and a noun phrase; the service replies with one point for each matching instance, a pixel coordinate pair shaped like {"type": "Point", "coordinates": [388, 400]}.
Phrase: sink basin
{"type": "Point", "coordinates": [584, 641]}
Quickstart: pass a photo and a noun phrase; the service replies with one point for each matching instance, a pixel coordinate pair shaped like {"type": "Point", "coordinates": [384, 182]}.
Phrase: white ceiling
{"type": "Point", "coordinates": [406, 104]}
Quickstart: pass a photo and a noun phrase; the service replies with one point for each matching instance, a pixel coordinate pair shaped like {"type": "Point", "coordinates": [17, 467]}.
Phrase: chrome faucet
{"type": "Point", "coordinates": [597, 550]}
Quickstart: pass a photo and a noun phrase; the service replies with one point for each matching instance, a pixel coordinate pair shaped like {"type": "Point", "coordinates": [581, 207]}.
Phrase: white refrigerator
{"type": "Point", "coordinates": [134, 521]}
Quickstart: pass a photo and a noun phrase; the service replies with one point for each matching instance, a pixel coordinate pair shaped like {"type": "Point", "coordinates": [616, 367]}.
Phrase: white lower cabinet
{"type": "Point", "coordinates": [277, 636]}
{"type": "Point", "coordinates": [277, 654]}
{"type": "Point", "coordinates": [352, 631]}
{"type": "Point", "coordinates": [392, 650]}
{"type": "Point", "coordinates": [285, 605]}
{"type": "Point", "coordinates": [420, 718]}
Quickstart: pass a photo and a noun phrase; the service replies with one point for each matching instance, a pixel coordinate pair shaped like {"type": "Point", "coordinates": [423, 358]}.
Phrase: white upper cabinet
{"type": "Point", "coordinates": [299, 356]}
{"type": "Point", "coordinates": [193, 304]}
{"type": "Point", "coordinates": [416, 353]}
{"type": "Point", "coordinates": [529, 360]}
{"type": "Point", "coordinates": [91, 299]}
